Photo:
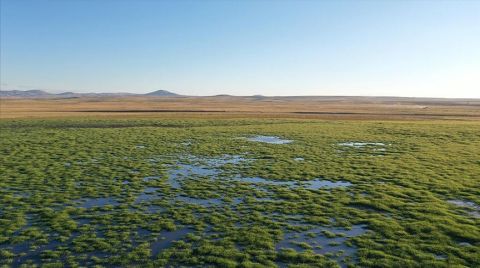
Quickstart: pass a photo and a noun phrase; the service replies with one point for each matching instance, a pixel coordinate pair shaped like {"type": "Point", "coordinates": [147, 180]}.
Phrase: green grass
{"type": "Point", "coordinates": [49, 168]}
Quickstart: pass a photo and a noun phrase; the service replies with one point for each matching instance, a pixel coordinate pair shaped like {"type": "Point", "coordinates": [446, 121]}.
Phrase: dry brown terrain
{"type": "Point", "coordinates": [384, 108]}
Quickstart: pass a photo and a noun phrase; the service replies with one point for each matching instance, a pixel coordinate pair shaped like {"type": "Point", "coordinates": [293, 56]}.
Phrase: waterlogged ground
{"type": "Point", "coordinates": [239, 193]}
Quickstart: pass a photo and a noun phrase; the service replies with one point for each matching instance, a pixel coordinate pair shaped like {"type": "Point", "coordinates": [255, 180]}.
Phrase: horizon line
{"type": "Point", "coordinates": [231, 95]}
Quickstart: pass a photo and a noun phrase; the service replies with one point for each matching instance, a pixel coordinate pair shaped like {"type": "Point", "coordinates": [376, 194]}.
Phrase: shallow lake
{"type": "Point", "coordinates": [323, 240]}
{"type": "Point", "coordinates": [97, 202]}
{"type": "Point", "coordinates": [473, 209]}
{"type": "Point", "coordinates": [269, 139]}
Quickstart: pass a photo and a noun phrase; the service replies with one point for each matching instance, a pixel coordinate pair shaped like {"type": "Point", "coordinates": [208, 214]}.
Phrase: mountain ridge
{"type": "Point", "coordinates": [37, 93]}
{"type": "Point", "coordinates": [42, 94]}
{"type": "Point", "coordinates": [161, 93]}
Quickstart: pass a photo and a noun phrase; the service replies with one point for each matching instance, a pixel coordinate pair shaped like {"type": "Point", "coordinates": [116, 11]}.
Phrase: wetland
{"type": "Point", "coordinates": [239, 193]}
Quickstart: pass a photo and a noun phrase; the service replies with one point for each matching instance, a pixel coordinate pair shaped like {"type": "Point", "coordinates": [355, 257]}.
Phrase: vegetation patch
{"type": "Point", "coordinates": [189, 192]}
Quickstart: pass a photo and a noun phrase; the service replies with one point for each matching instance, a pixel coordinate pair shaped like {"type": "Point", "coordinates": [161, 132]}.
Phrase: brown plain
{"type": "Point", "coordinates": [351, 108]}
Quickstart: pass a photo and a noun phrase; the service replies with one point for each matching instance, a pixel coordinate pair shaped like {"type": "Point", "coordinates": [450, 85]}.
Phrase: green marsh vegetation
{"type": "Point", "coordinates": [145, 192]}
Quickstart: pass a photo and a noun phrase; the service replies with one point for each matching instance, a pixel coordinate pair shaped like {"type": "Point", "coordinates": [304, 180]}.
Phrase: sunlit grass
{"type": "Point", "coordinates": [50, 168]}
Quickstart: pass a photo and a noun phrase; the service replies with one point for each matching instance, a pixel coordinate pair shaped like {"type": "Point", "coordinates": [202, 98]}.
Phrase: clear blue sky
{"type": "Point", "coordinates": [393, 48]}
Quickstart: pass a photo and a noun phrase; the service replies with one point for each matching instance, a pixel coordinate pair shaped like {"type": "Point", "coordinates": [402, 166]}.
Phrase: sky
{"type": "Point", "coordinates": [273, 48]}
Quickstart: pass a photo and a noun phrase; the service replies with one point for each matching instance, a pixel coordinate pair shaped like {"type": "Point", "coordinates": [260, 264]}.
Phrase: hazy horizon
{"type": "Point", "coordinates": [234, 95]}
{"type": "Point", "coordinates": [287, 48]}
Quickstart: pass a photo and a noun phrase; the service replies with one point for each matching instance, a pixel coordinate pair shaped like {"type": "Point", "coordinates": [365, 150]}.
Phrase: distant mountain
{"type": "Point", "coordinates": [222, 95]}
{"type": "Point", "coordinates": [162, 93]}
{"type": "Point", "coordinates": [66, 93]}
{"type": "Point", "coordinates": [258, 97]}
{"type": "Point", "coordinates": [34, 93]}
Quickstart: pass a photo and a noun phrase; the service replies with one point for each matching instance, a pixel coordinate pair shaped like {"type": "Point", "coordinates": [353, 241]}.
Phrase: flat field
{"type": "Point", "coordinates": [239, 189]}
{"type": "Point", "coordinates": [314, 107]}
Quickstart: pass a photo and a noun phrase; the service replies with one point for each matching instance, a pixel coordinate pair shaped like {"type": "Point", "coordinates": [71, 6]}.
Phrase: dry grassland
{"type": "Point", "coordinates": [357, 108]}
